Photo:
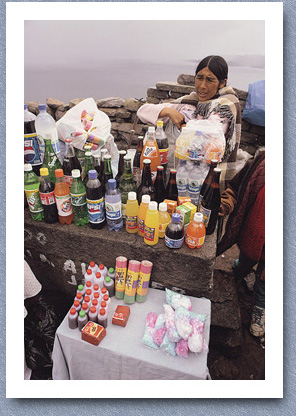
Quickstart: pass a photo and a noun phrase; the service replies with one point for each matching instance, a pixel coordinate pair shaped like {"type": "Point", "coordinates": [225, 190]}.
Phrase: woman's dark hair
{"type": "Point", "coordinates": [216, 64]}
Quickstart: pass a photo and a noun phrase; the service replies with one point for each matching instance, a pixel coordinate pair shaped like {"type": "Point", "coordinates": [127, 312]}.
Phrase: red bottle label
{"type": "Point", "coordinates": [47, 198]}
{"type": "Point", "coordinates": [164, 156]}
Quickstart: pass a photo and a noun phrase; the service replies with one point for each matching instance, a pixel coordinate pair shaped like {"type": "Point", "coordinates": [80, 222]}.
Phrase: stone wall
{"type": "Point", "coordinates": [126, 126]}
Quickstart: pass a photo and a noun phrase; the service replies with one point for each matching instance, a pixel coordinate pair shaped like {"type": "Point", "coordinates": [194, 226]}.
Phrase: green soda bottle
{"type": "Point", "coordinates": [80, 154]}
{"type": "Point", "coordinates": [32, 193]}
{"type": "Point", "coordinates": [50, 161]}
{"type": "Point", "coordinates": [126, 183]}
{"type": "Point", "coordinates": [78, 199]}
{"type": "Point", "coordinates": [88, 165]}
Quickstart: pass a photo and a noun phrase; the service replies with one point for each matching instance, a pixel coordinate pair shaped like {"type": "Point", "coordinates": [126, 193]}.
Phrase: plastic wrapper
{"type": "Point", "coordinates": [182, 348]}
{"type": "Point", "coordinates": [167, 345]}
{"type": "Point", "coordinates": [176, 299]}
{"type": "Point", "coordinates": [159, 329]}
{"type": "Point", "coordinates": [170, 324]}
{"type": "Point", "coordinates": [182, 321]}
{"type": "Point", "coordinates": [149, 330]}
{"type": "Point", "coordinates": [196, 340]}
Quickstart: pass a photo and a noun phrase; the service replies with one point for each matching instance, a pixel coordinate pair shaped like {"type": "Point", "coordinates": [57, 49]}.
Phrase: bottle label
{"type": "Point", "coordinates": [123, 210]}
{"type": "Point", "coordinates": [162, 227]}
{"type": "Point", "coordinates": [78, 200]}
{"type": "Point", "coordinates": [68, 180]}
{"type": "Point", "coordinates": [31, 149]}
{"type": "Point", "coordinates": [33, 199]}
{"type": "Point", "coordinates": [120, 279]}
{"type": "Point", "coordinates": [131, 222]}
{"type": "Point", "coordinates": [194, 187]}
{"type": "Point", "coordinates": [137, 173]}
{"type": "Point", "coordinates": [181, 184]}
{"type": "Point", "coordinates": [141, 225]}
{"type": "Point", "coordinates": [143, 284]}
{"type": "Point", "coordinates": [47, 198]}
{"type": "Point", "coordinates": [193, 241]}
{"type": "Point", "coordinates": [96, 212]}
{"type": "Point", "coordinates": [113, 210]}
{"type": "Point", "coordinates": [53, 161]}
{"type": "Point", "coordinates": [164, 156]}
{"type": "Point", "coordinates": [149, 151]}
{"type": "Point", "coordinates": [131, 283]}
{"type": "Point", "coordinates": [206, 215]}
{"type": "Point", "coordinates": [64, 205]}
{"type": "Point", "coordinates": [153, 176]}
{"type": "Point", "coordinates": [149, 233]}
{"type": "Point", "coordinates": [173, 243]}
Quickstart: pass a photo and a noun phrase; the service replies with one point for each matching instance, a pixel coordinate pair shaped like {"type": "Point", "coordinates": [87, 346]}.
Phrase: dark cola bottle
{"type": "Point", "coordinates": [47, 197]}
{"type": "Point", "coordinates": [137, 161]}
{"type": "Point", "coordinates": [122, 153]}
{"type": "Point", "coordinates": [210, 203]}
{"type": "Point", "coordinates": [70, 162]}
{"type": "Point", "coordinates": [163, 145]}
{"type": "Point", "coordinates": [171, 191]}
{"type": "Point", "coordinates": [208, 180]}
{"type": "Point", "coordinates": [159, 185]}
{"type": "Point", "coordinates": [146, 187]}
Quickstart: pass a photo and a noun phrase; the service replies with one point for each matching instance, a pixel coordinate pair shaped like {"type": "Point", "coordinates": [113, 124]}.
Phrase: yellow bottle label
{"type": "Point", "coordinates": [131, 222]}
{"type": "Point", "coordinates": [120, 279]}
{"type": "Point", "coordinates": [143, 284]}
{"type": "Point", "coordinates": [131, 283]}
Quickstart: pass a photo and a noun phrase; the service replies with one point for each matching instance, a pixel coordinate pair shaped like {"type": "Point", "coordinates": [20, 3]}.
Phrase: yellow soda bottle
{"type": "Point", "coordinates": [142, 214]}
{"type": "Point", "coordinates": [151, 225]}
{"type": "Point", "coordinates": [131, 213]}
{"type": "Point", "coordinates": [164, 218]}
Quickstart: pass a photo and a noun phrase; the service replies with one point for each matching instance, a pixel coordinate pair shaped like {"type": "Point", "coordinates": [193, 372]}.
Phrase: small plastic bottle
{"type": "Point", "coordinates": [102, 318]}
{"type": "Point", "coordinates": [151, 232]}
{"type": "Point", "coordinates": [97, 296]}
{"type": "Point", "coordinates": [93, 315]}
{"type": "Point", "coordinates": [72, 318]}
{"type": "Point", "coordinates": [79, 297]}
{"type": "Point", "coordinates": [103, 305]}
{"type": "Point", "coordinates": [107, 299]}
{"type": "Point", "coordinates": [95, 303]}
{"type": "Point", "coordinates": [174, 233]}
{"type": "Point", "coordinates": [111, 273]}
{"type": "Point", "coordinates": [142, 214]}
{"type": "Point", "coordinates": [164, 219]}
{"type": "Point", "coordinates": [113, 207]}
{"type": "Point", "coordinates": [77, 305]}
{"type": "Point", "coordinates": [104, 291]}
{"type": "Point", "coordinates": [81, 289]}
{"type": "Point", "coordinates": [85, 307]}
{"type": "Point", "coordinates": [88, 276]}
{"type": "Point", "coordinates": [63, 198]}
{"type": "Point", "coordinates": [87, 300]}
{"type": "Point", "coordinates": [82, 320]}
{"type": "Point", "coordinates": [99, 280]}
{"type": "Point", "coordinates": [196, 231]}
{"type": "Point", "coordinates": [131, 213]}
{"type": "Point", "coordinates": [88, 285]}
{"type": "Point", "coordinates": [103, 270]}
{"type": "Point", "coordinates": [109, 285]}
{"type": "Point", "coordinates": [93, 266]}
{"type": "Point", "coordinates": [96, 288]}
{"type": "Point", "coordinates": [46, 128]}
{"type": "Point", "coordinates": [89, 293]}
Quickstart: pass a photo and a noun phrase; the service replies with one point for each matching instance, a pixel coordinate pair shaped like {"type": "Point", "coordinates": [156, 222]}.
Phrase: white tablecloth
{"type": "Point", "coordinates": [121, 354]}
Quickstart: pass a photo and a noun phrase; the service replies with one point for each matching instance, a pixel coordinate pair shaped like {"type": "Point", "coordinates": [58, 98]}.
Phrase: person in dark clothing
{"type": "Point", "coordinates": [244, 202]}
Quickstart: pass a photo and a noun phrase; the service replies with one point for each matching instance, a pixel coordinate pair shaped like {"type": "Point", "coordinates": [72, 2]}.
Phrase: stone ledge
{"type": "Point", "coordinates": [175, 87]}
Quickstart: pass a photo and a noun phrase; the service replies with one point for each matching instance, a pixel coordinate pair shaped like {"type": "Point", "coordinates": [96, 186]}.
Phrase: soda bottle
{"type": "Point", "coordinates": [80, 154]}
{"type": "Point", "coordinates": [151, 152]}
{"type": "Point", "coordinates": [95, 201]}
{"type": "Point", "coordinates": [174, 233]}
{"type": "Point", "coordinates": [78, 199]}
{"type": "Point", "coordinates": [182, 179]}
{"type": "Point", "coordinates": [107, 172]}
{"type": "Point", "coordinates": [100, 173]}
{"type": "Point", "coordinates": [195, 180]}
{"type": "Point", "coordinates": [164, 218]}
{"type": "Point", "coordinates": [195, 232]}
{"type": "Point", "coordinates": [97, 162]}
{"type": "Point", "coordinates": [208, 180]}
{"type": "Point", "coordinates": [47, 197]}
{"type": "Point", "coordinates": [46, 128]}
{"type": "Point", "coordinates": [32, 154]}
{"type": "Point", "coordinates": [146, 187]}
{"type": "Point", "coordinates": [159, 185]}
{"type": "Point", "coordinates": [171, 191]}
{"type": "Point", "coordinates": [70, 162]}
{"type": "Point", "coordinates": [137, 161]}
{"type": "Point", "coordinates": [122, 153]}
{"type": "Point", "coordinates": [126, 184]}
{"type": "Point", "coordinates": [32, 184]}
{"type": "Point", "coordinates": [142, 214]}
{"type": "Point", "coordinates": [63, 198]}
{"type": "Point", "coordinates": [163, 146]}
{"type": "Point", "coordinates": [50, 160]}
{"type": "Point", "coordinates": [210, 203]}
{"type": "Point", "coordinates": [113, 207]}
{"type": "Point", "coordinates": [88, 165]}
{"type": "Point", "coordinates": [132, 209]}
{"type": "Point", "coordinates": [151, 231]}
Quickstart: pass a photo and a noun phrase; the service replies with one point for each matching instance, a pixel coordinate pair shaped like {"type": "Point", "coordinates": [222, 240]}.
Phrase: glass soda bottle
{"type": "Point", "coordinates": [100, 173]}
{"type": "Point", "coordinates": [132, 209]}
{"type": "Point", "coordinates": [164, 218]}
{"type": "Point", "coordinates": [107, 172]}
{"type": "Point", "coordinates": [126, 183]}
{"type": "Point", "coordinates": [31, 185]}
{"type": "Point", "coordinates": [63, 198]}
{"type": "Point", "coordinates": [210, 203]}
{"type": "Point", "coordinates": [32, 153]}
{"type": "Point", "coordinates": [174, 233]}
{"type": "Point", "coordinates": [80, 154]}
{"type": "Point", "coordinates": [146, 187]}
{"type": "Point", "coordinates": [78, 199]}
{"type": "Point", "coordinates": [151, 152]}
{"type": "Point", "coordinates": [208, 180]}
{"type": "Point", "coordinates": [163, 146]}
{"type": "Point", "coordinates": [95, 201]}
{"type": "Point", "coordinates": [122, 153]}
{"type": "Point", "coordinates": [88, 165]}
{"type": "Point", "coordinates": [50, 160]}
{"type": "Point", "coordinates": [113, 207]}
{"type": "Point", "coordinates": [142, 214]}
{"type": "Point", "coordinates": [159, 185]}
{"type": "Point", "coordinates": [195, 232]}
{"type": "Point", "coordinates": [97, 162]}
{"type": "Point", "coordinates": [137, 161]}
{"type": "Point", "coordinates": [171, 191]}
{"type": "Point", "coordinates": [151, 231]}
{"type": "Point", "coordinates": [46, 128]}
{"type": "Point", "coordinates": [47, 197]}
{"type": "Point", "coordinates": [70, 162]}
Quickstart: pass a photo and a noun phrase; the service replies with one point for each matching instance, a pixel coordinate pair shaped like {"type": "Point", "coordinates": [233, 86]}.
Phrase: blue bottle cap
{"type": "Point", "coordinates": [25, 107]}
{"type": "Point", "coordinates": [92, 174]}
{"type": "Point", "coordinates": [176, 218]}
{"type": "Point", "coordinates": [42, 107]}
{"type": "Point", "coordinates": [112, 183]}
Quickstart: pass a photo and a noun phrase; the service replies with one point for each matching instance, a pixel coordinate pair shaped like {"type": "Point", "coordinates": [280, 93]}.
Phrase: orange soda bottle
{"type": "Point", "coordinates": [196, 231]}
{"type": "Point", "coordinates": [164, 219]}
{"type": "Point", "coordinates": [142, 214]}
{"type": "Point", "coordinates": [63, 198]}
{"type": "Point", "coordinates": [151, 151]}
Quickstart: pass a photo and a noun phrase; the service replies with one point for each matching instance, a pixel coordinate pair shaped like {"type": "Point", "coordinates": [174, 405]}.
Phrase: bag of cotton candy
{"type": "Point", "coordinates": [176, 299]}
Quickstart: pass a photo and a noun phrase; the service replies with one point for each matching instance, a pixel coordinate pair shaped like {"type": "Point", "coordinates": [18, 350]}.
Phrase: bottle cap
{"type": "Point", "coordinates": [146, 199]}
{"type": "Point", "coordinates": [92, 264]}
{"type": "Point", "coordinates": [111, 184]}
{"type": "Point", "coordinates": [68, 140]}
{"type": "Point", "coordinates": [96, 287]}
{"type": "Point", "coordinates": [82, 314]}
{"type": "Point", "coordinates": [127, 157]}
{"type": "Point", "coordinates": [79, 295]}
{"type": "Point", "coordinates": [92, 174]}
{"type": "Point", "coordinates": [107, 279]}
{"type": "Point", "coordinates": [86, 299]}
{"type": "Point", "coordinates": [89, 271]}
{"type": "Point", "coordinates": [42, 107]}
{"type": "Point", "coordinates": [98, 275]}
{"type": "Point", "coordinates": [43, 172]}
{"type": "Point", "coordinates": [218, 170]}
{"type": "Point", "coordinates": [96, 295]}
{"type": "Point", "coordinates": [88, 292]}
{"type": "Point", "coordinates": [104, 290]}
{"type": "Point", "coordinates": [75, 173]}
{"type": "Point", "coordinates": [214, 161]}
{"type": "Point", "coordinates": [159, 123]}
{"type": "Point", "coordinates": [106, 298]}
{"type": "Point", "coordinates": [72, 311]}
{"type": "Point", "coordinates": [122, 152]}
{"type": "Point", "coordinates": [132, 196]}
{"type": "Point", "coordinates": [95, 302]}
{"type": "Point", "coordinates": [198, 217]}
{"type": "Point", "coordinates": [147, 161]}
{"type": "Point", "coordinates": [28, 167]}
{"type": "Point", "coordinates": [93, 309]}
{"type": "Point", "coordinates": [80, 287]}
{"type": "Point", "coordinates": [173, 170]}
{"type": "Point", "coordinates": [102, 311]}
{"type": "Point", "coordinates": [153, 205]}
{"type": "Point", "coordinates": [88, 283]}
{"type": "Point", "coordinates": [87, 147]}
{"type": "Point", "coordinates": [25, 107]}
{"type": "Point", "coordinates": [140, 137]}
{"type": "Point", "coordinates": [87, 153]}
{"type": "Point", "coordinates": [76, 303]}
{"type": "Point", "coordinates": [163, 207]}
{"type": "Point", "coordinates": [151, 129]}
{"type": "Point", "coordinates": [176, 218]}
{"type": "Point", "coordinates": [107, 157]}
{"type": "Point", "coordinates": [101, 266]}
{"type": "Point", "coordinates": [111, 270]}
{"type": "Point", "coordinates": [84, 306]}
{"type": "Point", "coordinates": [59, 173]}
{"type": "Point", "coordinates": [160, 167]}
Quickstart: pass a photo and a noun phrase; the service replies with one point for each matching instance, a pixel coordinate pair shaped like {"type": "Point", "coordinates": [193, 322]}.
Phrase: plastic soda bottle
{"type": "Point", "coordinates": [46, 128]}
{"type": "Point", "coordinates": [196, 231]}
{"type": "Point", "coordinates": [113, 207]}
{"type": "Point", "coordinates": [95, 201]}
{"type": "Point", "coordinates": [70, 162]}
{"type": "Point", "coordinates": [132, 209]}
{"type": "Point", "coordinates": [151, 151]}
{"type": "Point", "coordinates": [31, 184]}
{"type": "Point", "coordinates": [151, 231]}
{"type": "Point", "coordinates": [142, 214]}
{"type": "Point", "coordinates": [78, 199]}
{"type": "Point", "coordinates": [164, 219]}
{"type": "Point", "coordinates": [63, 198]}
{"type": "Point", "coordinates": [47, 197]}
{"type": "Point", "coordinates": [32, 149]}
{"type": "Point", "coordinates": [174, 233]}
{"type": "Point", "coordinates": [50, 160]}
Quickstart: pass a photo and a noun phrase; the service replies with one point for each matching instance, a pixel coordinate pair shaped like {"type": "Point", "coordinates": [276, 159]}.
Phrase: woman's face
{"type": "Point", "coordinates": [207, 84]}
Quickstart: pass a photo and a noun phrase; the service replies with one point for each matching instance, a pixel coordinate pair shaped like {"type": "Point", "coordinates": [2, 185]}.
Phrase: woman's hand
{"type": "Point", "coordinates": [176, 117]}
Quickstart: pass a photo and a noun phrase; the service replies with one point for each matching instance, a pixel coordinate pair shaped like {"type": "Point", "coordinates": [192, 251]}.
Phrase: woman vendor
{"type": "Point", "coordinates": [212, 100]}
